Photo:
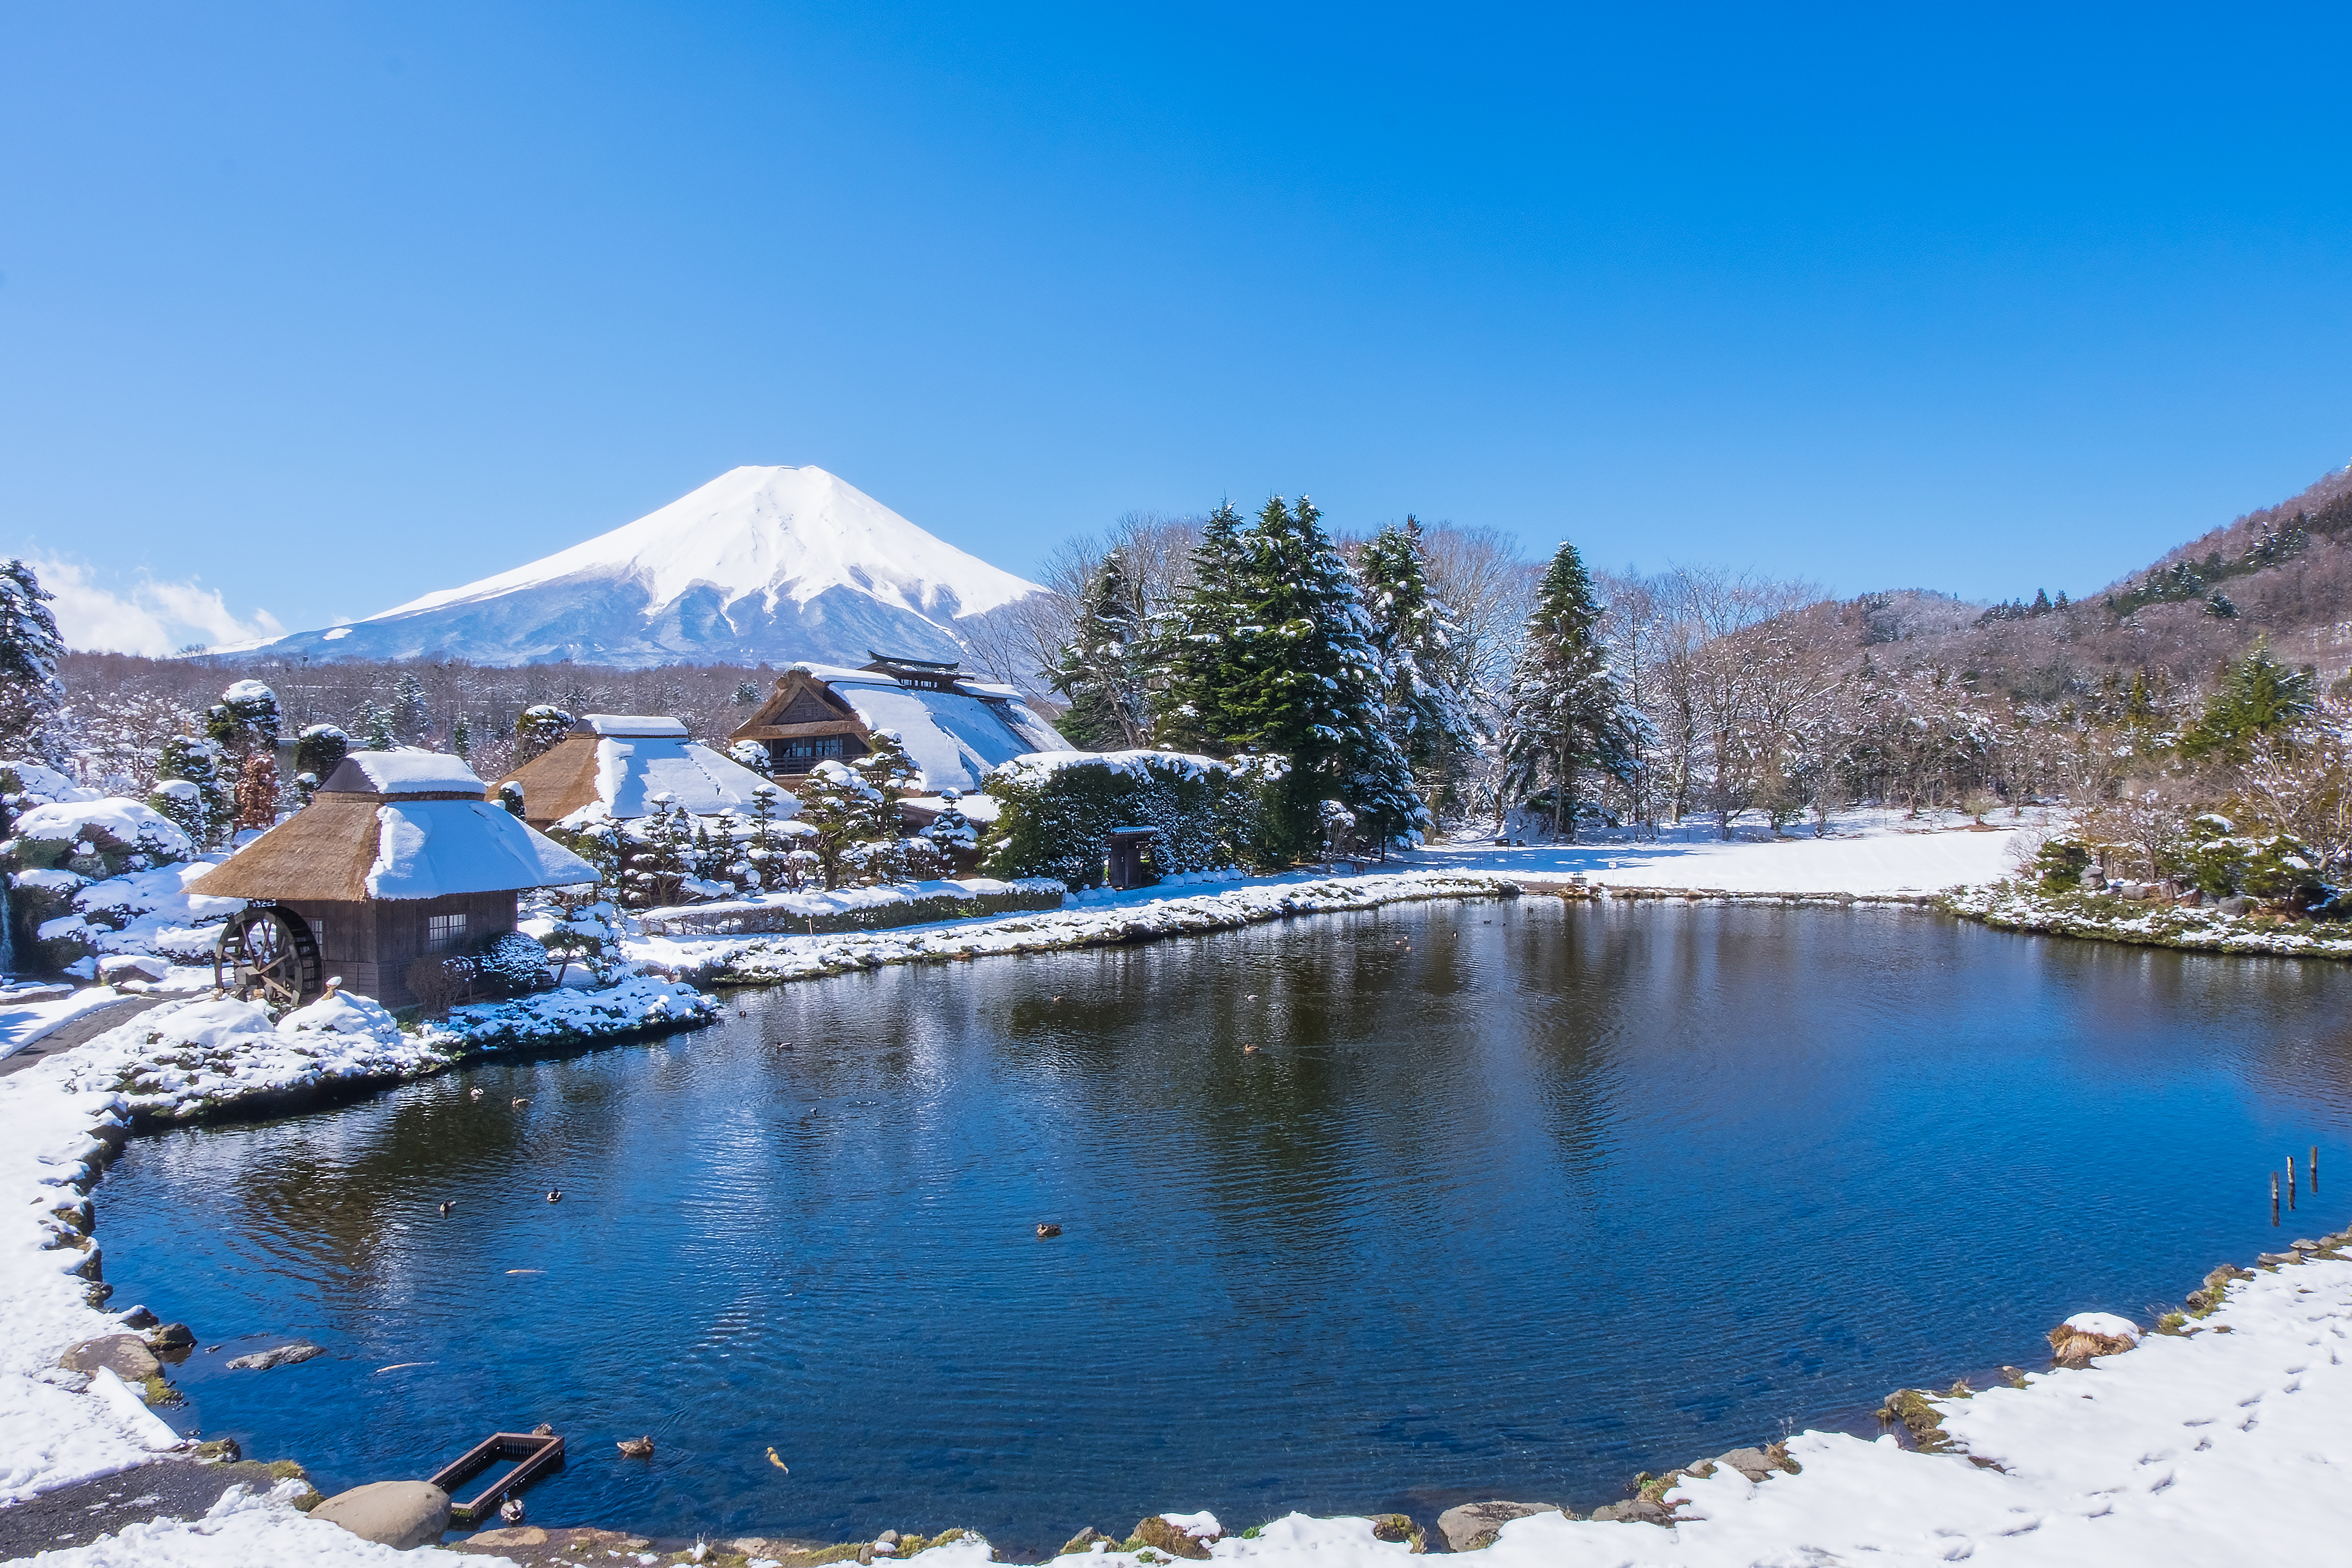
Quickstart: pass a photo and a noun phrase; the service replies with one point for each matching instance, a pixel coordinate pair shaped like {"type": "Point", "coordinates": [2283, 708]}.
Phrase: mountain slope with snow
{"type": "Point", "coordinates": [778, 564]}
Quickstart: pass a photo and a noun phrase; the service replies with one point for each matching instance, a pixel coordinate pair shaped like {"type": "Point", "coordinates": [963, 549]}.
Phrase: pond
{"type": "Point", "coordinates": [1370, 1212]}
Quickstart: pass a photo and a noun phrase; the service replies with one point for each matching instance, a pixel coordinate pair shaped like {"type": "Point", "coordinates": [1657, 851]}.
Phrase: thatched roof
{"type": "Point", "coordinates": [394, 825]}
{"type": "Point", "coordinates": [955, 730]}
{"type": "Point", "coordinates": [616, 763]}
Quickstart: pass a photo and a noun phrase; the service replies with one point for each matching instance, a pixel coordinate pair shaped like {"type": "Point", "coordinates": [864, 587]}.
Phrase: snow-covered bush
{"type": "Point", "coordinates": [204, 811]}
{"type": "Point", "coordinates": [514, 964]}
{"type": "Point", "coordinates": [583, 930]}
{"type": "Point", "coordinates": [320, 748]}
{"type": "Point", "coordinates": [1056, 810]}
{"type": "Point", "coordinates": [751, 754]}
{"type": "Point", "coordinates": [541, 726]}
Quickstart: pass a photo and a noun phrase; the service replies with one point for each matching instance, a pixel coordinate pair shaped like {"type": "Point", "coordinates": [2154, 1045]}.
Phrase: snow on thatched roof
{"type": "Point", "coordinates": [613, 765]}
{"type": "Point", "coordinates": [401, 772]}
{"type": "Point", "coordinates": [954, 737]}
{"type": "Point", "coordinates": [633, 725]}
{"type": "Point", "coordinates": [394, 825]}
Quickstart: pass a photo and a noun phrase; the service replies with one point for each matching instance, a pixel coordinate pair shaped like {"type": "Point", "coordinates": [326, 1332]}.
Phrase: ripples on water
{"type": "Point", "coordinates": [1512, 1200]}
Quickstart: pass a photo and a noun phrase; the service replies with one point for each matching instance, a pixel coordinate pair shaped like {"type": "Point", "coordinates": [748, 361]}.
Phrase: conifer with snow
{"type": "Point", "coordinates": [31, 695]}
{"type": "Point", "coordinates": [1567, 715]}
{"type": "Point", "coordinates": [844, 811]}
{"type": "Point", "coordinates": [245, 721]}
{"type": "Point", "coordinates": [1196, 643]}
{"type": "Point", "coordinates": [1101, 669]}
{"type": "Point", "coordinates": [541, 726]}
{"type": "Point", "coordinates": [1307, 684]}
{"type": "Point", "coordinates": [191, 791]}
{"type": "Point", "coordinates": [1428, 693]}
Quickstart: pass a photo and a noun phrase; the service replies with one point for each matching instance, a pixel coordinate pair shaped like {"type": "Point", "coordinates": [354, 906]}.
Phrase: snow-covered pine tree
{"type": "Point", "coordinates": [246, 719]}
{"type": "Point", "coordinates": [1567, 715]}
{"type": "Point", "coordinates": [31, 695]}
{"type": "Point", "coordinates": [1101, 668]}
{"type": "Point", "coordinates": [461, 738]}
{"type": "Point", "coordinates": [761, 848]}
{"type": "Point", "coordinates": [747, 692]}
{"type": "Point", "coordinates": [658, 854]}
{"type": "Point", "coordinates": [375, 724]}
{"type": "Point", "coordinates": [206, 816]}
{"type": "Point", "coordinates": [1196, 658]}
{"type": "Point", "coordinates": [408, 710]}
{"type": "Point", "coordinates": [844, 809]}
{"type": "Point", "coordinates": [539, 726]}
{"type": "Point", "coordinates": [1428, 692]}
{"type": "Point", "coordinates": [319, 748]}
{"type": "Point", "coordinates": [889, 769]}
{"type": "Point", "coordinates": [1307, 685]}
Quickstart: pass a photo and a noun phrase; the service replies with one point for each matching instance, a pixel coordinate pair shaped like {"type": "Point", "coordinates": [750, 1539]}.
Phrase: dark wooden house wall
{"type": "Point", "coordinates": [371, 943]}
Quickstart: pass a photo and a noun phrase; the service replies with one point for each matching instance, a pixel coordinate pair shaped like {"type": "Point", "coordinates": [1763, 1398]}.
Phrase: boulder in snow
{"type": "Point", "coordinates": [125, 1355]}
{"type": "Point", "coordinates": [1474, 1525]}
{"type": "Point", "coordinates": [398, 1514]}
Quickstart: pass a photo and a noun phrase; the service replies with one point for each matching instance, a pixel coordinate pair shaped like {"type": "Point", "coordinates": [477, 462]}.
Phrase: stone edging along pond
{"type": "Point", "coordinates": [186, 1066]}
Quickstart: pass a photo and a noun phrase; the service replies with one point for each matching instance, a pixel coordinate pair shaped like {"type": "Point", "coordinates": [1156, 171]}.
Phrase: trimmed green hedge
{"type": "Point", "coordinates": [1055, 811]}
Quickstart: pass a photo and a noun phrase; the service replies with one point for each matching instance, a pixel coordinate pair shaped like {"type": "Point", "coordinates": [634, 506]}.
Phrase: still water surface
{"type": "Point", "coordinates": [1512, 1199]}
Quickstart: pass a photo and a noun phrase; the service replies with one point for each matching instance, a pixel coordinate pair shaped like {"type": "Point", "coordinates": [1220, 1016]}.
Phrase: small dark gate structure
{"type": "Point", "coordinates": [396, 857]}
{"type": "Point", "coordinates": [541, 1456]}
{"type": "Point", "coordinates": [1127, 857]}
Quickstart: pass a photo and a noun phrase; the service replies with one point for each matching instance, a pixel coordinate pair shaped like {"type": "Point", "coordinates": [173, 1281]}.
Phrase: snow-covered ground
{"type": "Point", "coordinates": [23, 1021]}
{"type": "Point", "coordinates": [1869, 851]}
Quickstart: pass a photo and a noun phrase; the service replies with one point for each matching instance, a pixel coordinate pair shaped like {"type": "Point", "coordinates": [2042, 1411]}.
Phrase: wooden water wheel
{"type": "Point", "coordinates": [264, 954]}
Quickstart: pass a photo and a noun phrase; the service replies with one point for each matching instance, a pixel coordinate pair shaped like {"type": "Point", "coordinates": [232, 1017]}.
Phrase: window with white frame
{"type": "Point", "coordinates": [444, 933]}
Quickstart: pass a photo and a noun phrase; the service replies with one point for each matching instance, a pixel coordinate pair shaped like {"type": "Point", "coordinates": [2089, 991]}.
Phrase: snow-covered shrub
{"type": "Point", "coordinates": [319, 749]}
{"type": "Point", "coordinates": [1056, 810]}
{"type": "Point", "coordinates": [510, 797]}
{"type": "Point", "coordinates": [2059, 864]}
{"type": "Point", "coordinates": [514, 964]}
{"type": "Point", "coordinates": [440, 981]}
{"type": "Point", "coordinates": [206, 813]}
{"type": "Point", "coordinates": [541, 725]}
{"type": "Point", "coordinates": [245, 721]}
{"type": "Point", "coordinates": [751, 754]}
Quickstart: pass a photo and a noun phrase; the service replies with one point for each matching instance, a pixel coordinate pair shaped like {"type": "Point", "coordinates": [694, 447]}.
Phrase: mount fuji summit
{"type": "Point", "coordinates": [775, 564]}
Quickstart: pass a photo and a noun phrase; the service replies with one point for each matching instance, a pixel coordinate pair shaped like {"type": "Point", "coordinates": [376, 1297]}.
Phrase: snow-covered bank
{"type": "Point", "coordinates": [1137, 917]}
{"type": "Point", "coordinates": [1869, 851]}
{"type": "Point", "coordinates": [2103, 917]}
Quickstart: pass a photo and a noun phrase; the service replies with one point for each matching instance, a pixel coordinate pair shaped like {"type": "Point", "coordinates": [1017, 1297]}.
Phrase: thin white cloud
{"type": "Point", "coordinates": [145, 618]}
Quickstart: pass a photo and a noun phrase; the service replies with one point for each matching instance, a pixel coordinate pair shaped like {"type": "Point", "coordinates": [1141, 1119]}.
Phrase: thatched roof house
{"type": "Point", "coordinates": [397, 855]}
{"type": "Point", "coordinates": [954, 729]}
{"type": "Point", "coordinates": [616, 763]}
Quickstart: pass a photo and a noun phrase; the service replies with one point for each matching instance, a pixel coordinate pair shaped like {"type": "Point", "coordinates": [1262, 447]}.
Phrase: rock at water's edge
{"type": "Point", "coordinates": [398, 1514]}
{"type": "Point", "coordinates": [125, 1355]}
{"type": "Point", "coordinates": [1472, 1526]}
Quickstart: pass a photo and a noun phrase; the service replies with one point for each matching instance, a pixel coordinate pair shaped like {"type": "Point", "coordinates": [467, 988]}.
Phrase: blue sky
{"type": "Point", "coordinates": [326, 306]}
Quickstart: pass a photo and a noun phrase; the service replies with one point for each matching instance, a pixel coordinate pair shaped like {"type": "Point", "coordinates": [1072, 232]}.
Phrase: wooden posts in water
{"type": "Point", "coordinates": [2274, 1197]}
{"type": "Point", "coordinates": [2290, 1181]}
{"type": "Point", "coordinates": [2315, 1170]}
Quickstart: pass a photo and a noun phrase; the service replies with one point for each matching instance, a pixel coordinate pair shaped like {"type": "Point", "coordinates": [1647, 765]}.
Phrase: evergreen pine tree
{"type": "Point", "coordinates": [1307, 684]}
{"type": "Point", "coordinates": [460, 737]}
{"type": "Point", "coordinates": [377, 723]}
{"type": "Point", "coordinates": [761, 847]}
{"type": "Point", "coordinates": [1426, 689]}
{"type": "Point", "coordinates": [1567, 713]}
{"type": "Point", "coordinates": [245, 721]}
{"type": "Point", "coordinates": [2257, 694]}
{"type": "Point", "coordinates": [408, 710]}
{"type": "Point", "coordinates": [204, 815]}
{"type": "Point", "coordinates": [1197, 644]}
{"type": "Point", "coordinates": [539, 726]}
{"type": "Point", "coordinates": [319, 748]}
{"type": "Point", "coordinates": [31, 695]}
{"type": "Point", "coordinates": [1101, 668]}
{"type": "Point", "coordinates": [844, 811]}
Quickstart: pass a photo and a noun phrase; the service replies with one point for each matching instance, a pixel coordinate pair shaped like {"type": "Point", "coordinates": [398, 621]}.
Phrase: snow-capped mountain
{"type": "Point", "coordinates": [761, 563]}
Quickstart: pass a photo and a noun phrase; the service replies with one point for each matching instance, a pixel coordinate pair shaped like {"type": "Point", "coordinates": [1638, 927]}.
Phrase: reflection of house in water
{"type": "Point", "coordinates": [616, 763]}
{"type": "Point", "coordinates": [397, 855]}
{"type": "Point", "coordinates": [954, 729]}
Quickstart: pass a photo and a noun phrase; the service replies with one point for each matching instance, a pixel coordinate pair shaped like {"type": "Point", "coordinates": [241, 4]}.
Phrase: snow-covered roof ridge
{"type": "Point", "coordinates": [401, 773]}
{"type": "Point", "coordinates": [633, 725]}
